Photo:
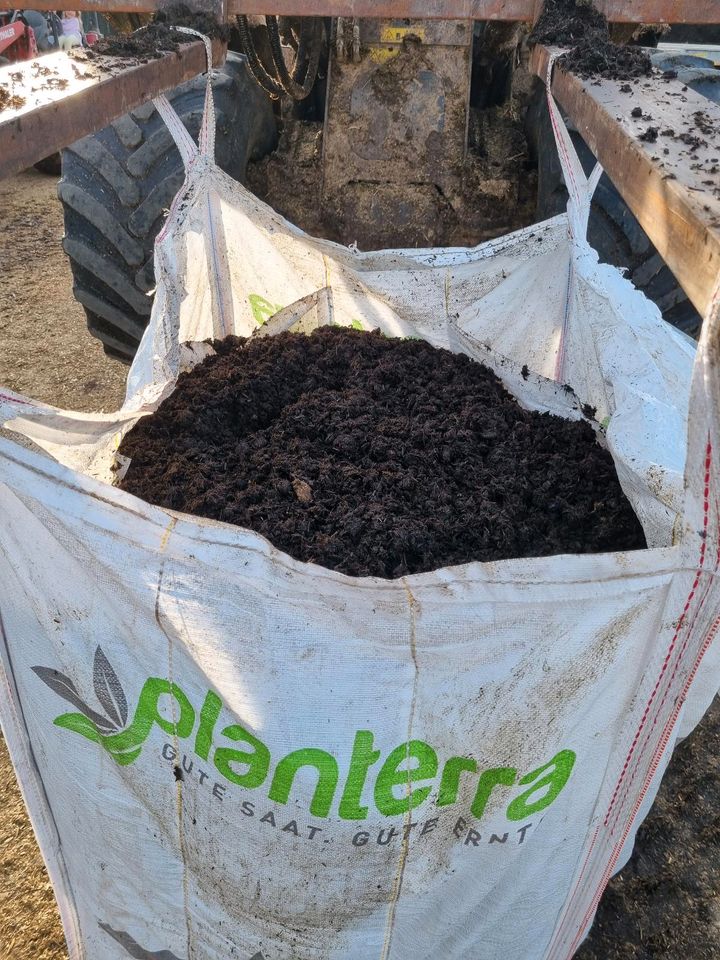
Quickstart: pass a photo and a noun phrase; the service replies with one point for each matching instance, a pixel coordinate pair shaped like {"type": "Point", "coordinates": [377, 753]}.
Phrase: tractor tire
{"type": "Point", "coordinates": [118, 184]}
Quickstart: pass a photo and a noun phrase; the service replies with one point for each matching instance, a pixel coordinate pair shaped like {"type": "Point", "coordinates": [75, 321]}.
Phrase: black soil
{"type": "Point", "coordinates": [563, 22]}
{"type": "Point", "coordinates": [577, 24]}
{"type": "Point", "coordinates": [376, 456]}
{"type": "Point", "coordinates": [159, 36]}
{"type": "Point", "coordinates": [10, 101]}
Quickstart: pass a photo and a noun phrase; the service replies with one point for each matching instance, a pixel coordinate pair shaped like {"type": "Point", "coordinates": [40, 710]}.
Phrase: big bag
{"type": "Point", "coordinates": [229, 753]}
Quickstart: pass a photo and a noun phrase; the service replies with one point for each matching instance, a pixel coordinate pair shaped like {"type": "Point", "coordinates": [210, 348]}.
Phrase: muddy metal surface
{"type": "Point", "coordinates": [378, 201]}
{"type": "Point", "coordinates": [666, 903]}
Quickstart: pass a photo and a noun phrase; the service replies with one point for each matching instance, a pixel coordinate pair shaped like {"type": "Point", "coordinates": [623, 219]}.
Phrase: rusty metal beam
{"type": "Point", "coordinates": [619, 11]}
{"type": "Point", "coordinates": [660, 11]}
{"type": "Point", "coordinates": [627, 11]}
{"type": "Point", "coordinates": [65, 98]}
{"type": "Point", "coordinates": [671, 183]}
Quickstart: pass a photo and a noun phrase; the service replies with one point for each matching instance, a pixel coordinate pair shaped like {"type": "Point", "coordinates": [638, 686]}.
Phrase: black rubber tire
{"type": "Point", "coordinates": [118, 184]}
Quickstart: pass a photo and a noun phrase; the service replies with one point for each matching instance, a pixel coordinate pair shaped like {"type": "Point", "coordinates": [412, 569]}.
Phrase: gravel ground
{"type": "Point", "coordinates": [665, 905]}
{"type": "Point", "coordinates": [45, 349]}
{"type": "Point", "coordinates": [47, 353]}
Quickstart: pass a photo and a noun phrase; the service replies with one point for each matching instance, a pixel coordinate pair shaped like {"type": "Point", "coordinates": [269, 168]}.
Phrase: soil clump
{"type": "Point", "coordinates": [577, 24]}
{"type": "Point", "coordinates": [375, 456]}
{"type": "Point", "coordinates": [10, 101]}
{"type": "Point", "coordinates": [159, 37]}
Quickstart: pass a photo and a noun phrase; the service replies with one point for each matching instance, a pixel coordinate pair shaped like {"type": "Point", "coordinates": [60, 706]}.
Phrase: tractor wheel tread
{"type": "Point", "coordinates": [118, 184]}
{"type": "Point", "coordinates": [154, 204]}
{"type": "Point", "coordinates": [96, 213]}
{"type": "Point", "coordinates": [143, 112]}
{"type": "Point", "coordinates": [128, 131]}
{"type": "Point", "coordinates": [107, 311]}
{"type": "Point", "coordinates": [145, 276]}
{"type": "Point", "coordinates": [97, 156]}
{"type": "Point", "coordinates": [113, 276]}
{"type": "Point", "coordinates": [643, 274]}
{"type": "Point", "coordinates": [155, 148]}
{"type": "Point", "coordinates": [115, 344]}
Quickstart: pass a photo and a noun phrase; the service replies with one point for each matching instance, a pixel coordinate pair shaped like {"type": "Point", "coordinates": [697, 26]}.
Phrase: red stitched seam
{"type": "Point", "coordinates": [659, 750]}
{"type": "Point", "coordinates": [653, 768]}
{"type": "Point", "coordinates": [561, 146]}
{"type": "Point", "coordinates": [648, 707]}
{"type": "Point", "coordinates": [7, 399]}
{"type": "Point", "coordinates": [678, 661]}
{"type": "Point", "coordinates": [688, 634]}
{"type": "Point", "coordinates": [666, 733]}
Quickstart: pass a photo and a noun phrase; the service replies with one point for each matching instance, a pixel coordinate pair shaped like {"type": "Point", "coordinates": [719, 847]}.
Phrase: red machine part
{"type": "Point", "coordinates": [17, 40]}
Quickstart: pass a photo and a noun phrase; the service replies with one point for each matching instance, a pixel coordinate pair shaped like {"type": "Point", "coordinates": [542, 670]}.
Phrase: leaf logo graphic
{"type": "Point", "coordinates": [109, 691]}
{"type": "Point", "coordinates": [65, 688]}
{"type": "Point", "coordinates": [104, 728]}
{"type": "Point", "coordinates": [134, 948]}
{"type": "Point", "coordinates": [139, 953]}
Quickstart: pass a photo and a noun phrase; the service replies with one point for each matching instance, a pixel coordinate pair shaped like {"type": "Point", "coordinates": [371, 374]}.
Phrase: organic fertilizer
{"type": "Point", "coordinates": [577, 24]}
{"type": "Point", "coordinates": [159, 36]}
{"type": "Point", "coordinates": [376, 456]}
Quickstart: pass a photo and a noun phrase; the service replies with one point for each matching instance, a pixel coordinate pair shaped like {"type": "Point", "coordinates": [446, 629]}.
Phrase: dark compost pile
{"type": "Point", "coordinates": [578, 25]}
{"type": "Point", "coordinates": [159, 37]}
{"type": "Point", "coordinates": [376, 456]}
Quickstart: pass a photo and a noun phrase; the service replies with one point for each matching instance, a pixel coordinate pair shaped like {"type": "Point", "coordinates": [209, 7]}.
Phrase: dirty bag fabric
{"type": "Point", "coordinates": [229, 753]}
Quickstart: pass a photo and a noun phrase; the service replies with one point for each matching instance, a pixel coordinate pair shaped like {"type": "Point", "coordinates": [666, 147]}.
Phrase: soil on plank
{"type": "Point", "coordinates": [159, 36]}
{"type": "Point", "coordinates": [376, 457]}
{"type": "Point", "coordinates": [10, 101]}
{"type": "Point", "coordinates": [578, 25]}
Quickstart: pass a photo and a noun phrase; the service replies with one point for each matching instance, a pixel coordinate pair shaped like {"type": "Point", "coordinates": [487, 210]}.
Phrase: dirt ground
{"type": "Point", "coordinates": [665, 905]}
{"type": "Point", "coordinates": [45, 351]}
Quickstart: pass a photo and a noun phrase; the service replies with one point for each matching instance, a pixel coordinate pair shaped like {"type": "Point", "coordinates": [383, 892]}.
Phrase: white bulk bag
{"type": "Point", "coordinates": [229, 753]}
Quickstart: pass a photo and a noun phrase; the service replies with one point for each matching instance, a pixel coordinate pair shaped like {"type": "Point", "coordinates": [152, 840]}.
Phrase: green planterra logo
{"type": "Point", "coordinates": [403, 779]}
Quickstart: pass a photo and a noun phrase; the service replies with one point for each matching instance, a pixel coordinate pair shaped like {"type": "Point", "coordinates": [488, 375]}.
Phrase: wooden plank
{"type": "Point", "coordinates": [672, 183]}
{"type": "Point", "coordinates": [61, 97]}
{"type": "Point", "coordinates": [620, 11]}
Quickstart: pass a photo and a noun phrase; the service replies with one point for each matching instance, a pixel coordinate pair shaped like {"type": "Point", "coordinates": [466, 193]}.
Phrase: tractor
{"type": "Point", "coordinates": [382, 133]}
{"type": "Point", "coordinates": [25, 34]}
{"type": "Point", "coordinates": [17, 37]}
